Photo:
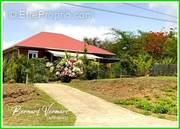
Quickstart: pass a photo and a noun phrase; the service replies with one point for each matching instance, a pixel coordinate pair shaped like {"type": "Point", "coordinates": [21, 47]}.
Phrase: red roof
{"type": "Point", "coordinates": [55, 41]}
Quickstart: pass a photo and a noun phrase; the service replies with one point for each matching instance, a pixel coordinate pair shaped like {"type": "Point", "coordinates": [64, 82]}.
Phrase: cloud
{"type": "Point", "coordinates": [6, 44]}
{"type": "Point", "coordinates": [34, 6]}
{"type": "Point", "coordinates": [75, 31]}
{"type": "Point", "coordinates": [79, 32]}
{"type": "Point", "coordinates": [170, 8]}
{"type": "Point", "coordinates": [167, 7]}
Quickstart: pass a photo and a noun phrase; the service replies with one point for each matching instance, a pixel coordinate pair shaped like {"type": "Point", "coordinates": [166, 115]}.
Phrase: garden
{"type": "Point", "coordinates": [155, 96]}
{"type": "Point", "coordinates": [143, 80]}
{"type": "Point", "coordinates": [138, 55]}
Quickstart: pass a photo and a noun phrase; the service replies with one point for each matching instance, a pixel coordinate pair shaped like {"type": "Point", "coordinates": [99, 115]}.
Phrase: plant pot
{"type": "Point", "coordinates": [66, 79]}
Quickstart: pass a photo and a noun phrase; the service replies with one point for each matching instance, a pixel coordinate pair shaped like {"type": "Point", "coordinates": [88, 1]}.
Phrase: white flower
{"type": "Point", "coordinates": [51, 69]}
{"type": "Point", "coordinates": [76, 69]}
{"type": "Point", "coordinates": [65, 69]}
{"type": "Point", "coordinates": [68, 67]}
{"type": "Point", "coordinates": [49, 64]}
{"type": "Point", "coordinates": [57, 73]}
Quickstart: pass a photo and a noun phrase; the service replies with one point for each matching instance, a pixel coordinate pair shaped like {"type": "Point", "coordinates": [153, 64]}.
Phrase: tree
{"type": "Point", "coordinates": [23, 68]}
{"type": "Point", "coordinates": [143, 63]}
{"type": "Point", "coordinates": [170, 46]}
{"type": "Point", "coordinates": [124, 46]}
{"type": "Point", "coordinates": [154, 43]}
{"type": "Point", "coordinates": [92, 41]}
{"type": "Point", "coordinates": [9, 69]}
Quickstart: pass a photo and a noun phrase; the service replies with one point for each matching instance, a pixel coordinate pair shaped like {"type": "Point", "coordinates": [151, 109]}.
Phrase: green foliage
{"type": "Point", "coordinates": [116, 70]}
{"type": "Point", "coordinates": [16, 69]}
{"type": "Point", "coordinates": [39, 71]}
{"type": "Point", "coordinates": [92, 41]}
{"type": "Point", "coordinates": [161, 108]}
{"type": "Point", "coordinates": [128, 45]}
{"type": "Point", "coordinates": [139, 103]}
{"type": "Point", "coordinates": [143, 104]}
{"type": "Point", "coordinates": [125, 45]}
{"type": "Point", "coordinates": [23, 70]}
{"type": "Point", "coordinates": [128, 68]}
{"type": "Point", "coordinates": [103, 73]}
{"type": "Point", "coordinates": [168, 60]}
{"type": "Point", "coordinates": [170, 46]}
{"type": "Point", "coordinates": [91, 70]}
{"type": "Point", "coordinates": [69, 68]}
{"type": "Point", "coordinates": [129, 101]}
{"type": "Point", "coordinates": [162, 105]}
{"type": "Point", "coordinates": [168, 89]}
{"type": "Point", "coordinates": [9, 70]}
{"type": "Point", "coordinates": [143, 63]}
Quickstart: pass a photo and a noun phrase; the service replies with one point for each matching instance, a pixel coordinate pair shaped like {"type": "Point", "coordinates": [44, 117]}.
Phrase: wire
{"type": "Point", "coordinates": [150, 10]}
{"type": "Point", "coordinates": [121, 13]}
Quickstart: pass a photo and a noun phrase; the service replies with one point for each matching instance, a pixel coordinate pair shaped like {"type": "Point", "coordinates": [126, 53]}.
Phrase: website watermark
{"type": "Point", "coordinates": [50, 15]}
{"type": "Point", "coordinates": [47, 111]}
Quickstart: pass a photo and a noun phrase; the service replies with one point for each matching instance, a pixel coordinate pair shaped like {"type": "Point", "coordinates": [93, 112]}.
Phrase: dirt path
{"type": "Point", "coordinates": [93, 111]}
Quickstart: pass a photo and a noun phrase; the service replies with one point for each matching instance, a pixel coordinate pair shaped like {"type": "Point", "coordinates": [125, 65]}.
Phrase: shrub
{"type": "Point", "coordinates": [143, 104]}
{"type": "Point", "coordinates": [164, 105]}
{"type": "Point", "coordinates": [160, 108]}
{"type": "Point", "coordinates": [127, 67]}
{"type": "Point", "coordinates": [39, 71]}
{"type": "Point", "coordinates": [111, 71]}
{"type": "Point", "coordinates": [15, 70]}
{"type": "Point", "coordinates": [52, 71]}
{"type": "Point", "coordinates": [91, 70]}
{"type": "Point", "coordinates": [24, 70]}
{"type": "Point", "coordinates": [9, 70]}
{"type": "Point", "coordinates": [168, 60]}
{"type": "Point", "coordinates": [102, 73]}
{"type": "Point", "coordinates": [116, 70]}
{"type": "Point", "coordinates": [137, 102]}
{"type": "Point", "coordinates": [69, 68]}
{"type": "Point", "coordinates": [143, 63]}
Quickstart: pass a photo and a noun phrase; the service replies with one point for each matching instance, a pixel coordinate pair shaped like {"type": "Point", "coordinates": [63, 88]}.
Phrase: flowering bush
{"type": "Point", "coordinates": [67, 69]}
{"type": "Point", "coordinates": [51, 67]}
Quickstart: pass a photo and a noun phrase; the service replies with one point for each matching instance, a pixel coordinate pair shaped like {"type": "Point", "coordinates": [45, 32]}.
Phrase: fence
{"type": "Point", "coordinates": [164, 69]}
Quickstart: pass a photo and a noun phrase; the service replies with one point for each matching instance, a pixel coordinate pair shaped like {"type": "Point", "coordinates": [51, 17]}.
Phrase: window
{"type": "Point", "coordinates": [32, 54]}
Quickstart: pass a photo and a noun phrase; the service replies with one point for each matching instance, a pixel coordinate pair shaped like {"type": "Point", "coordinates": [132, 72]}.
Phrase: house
{"type": "Point", "coordinates": [53, 46]}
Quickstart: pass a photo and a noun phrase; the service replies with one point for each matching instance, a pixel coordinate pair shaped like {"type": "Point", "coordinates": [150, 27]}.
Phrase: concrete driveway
{"type": "Point", "coordinates": [93, 111]}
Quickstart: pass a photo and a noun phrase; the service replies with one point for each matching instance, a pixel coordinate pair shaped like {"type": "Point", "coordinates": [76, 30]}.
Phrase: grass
{"type": "Point", "coordinates": [156, 96]}
{"type": "Point", "coordinates": [31, 100]}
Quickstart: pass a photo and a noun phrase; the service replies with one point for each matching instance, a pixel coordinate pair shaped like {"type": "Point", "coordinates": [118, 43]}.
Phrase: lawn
{"type": "Point", "coordinates": [25, 105]}
{"type": "Point", "coordinates": [156, 96]}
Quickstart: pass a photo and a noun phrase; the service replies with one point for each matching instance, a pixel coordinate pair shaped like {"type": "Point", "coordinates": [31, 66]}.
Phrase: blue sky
{"type": "Point", "coordinates": [21, 20]}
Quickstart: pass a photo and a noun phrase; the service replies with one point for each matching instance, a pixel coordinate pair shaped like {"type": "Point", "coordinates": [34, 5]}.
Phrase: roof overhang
{"type": "Point", "coordinates": [62, 54]}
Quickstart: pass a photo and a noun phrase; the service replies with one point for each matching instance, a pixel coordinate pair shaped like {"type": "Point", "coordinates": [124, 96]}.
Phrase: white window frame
{"type": "Point", "coordinates": [33, 52]}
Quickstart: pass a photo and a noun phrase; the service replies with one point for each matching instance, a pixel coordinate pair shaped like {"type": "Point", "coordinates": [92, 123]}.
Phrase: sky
{"type": "Point", "coordinates": [22, 20]}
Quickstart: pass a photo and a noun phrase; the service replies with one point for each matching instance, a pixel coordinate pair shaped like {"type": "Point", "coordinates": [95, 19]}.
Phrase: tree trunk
{"type": "Point", "coordinates": [27, 78]}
